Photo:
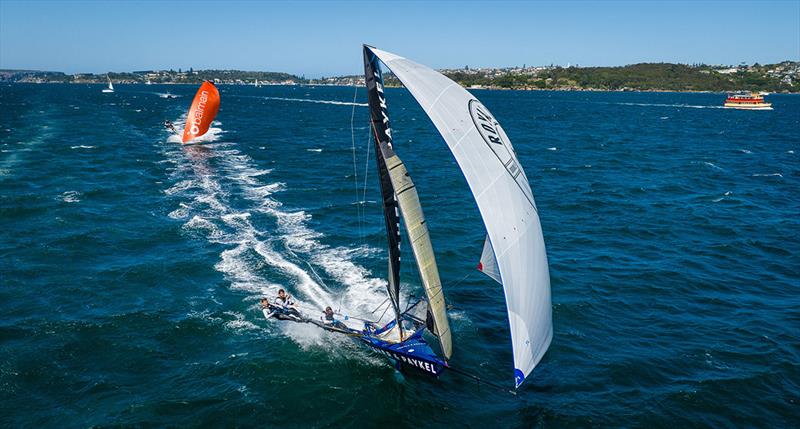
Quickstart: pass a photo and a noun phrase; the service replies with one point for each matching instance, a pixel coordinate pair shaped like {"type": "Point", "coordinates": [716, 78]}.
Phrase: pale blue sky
{"type": "Point", "coordinates": [324, 38]}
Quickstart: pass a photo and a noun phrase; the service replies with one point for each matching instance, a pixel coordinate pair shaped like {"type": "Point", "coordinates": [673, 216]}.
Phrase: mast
{"type": "Point", "coordinates": [406, 198]}
{"type": "Point", "coordinates": [382, 133]}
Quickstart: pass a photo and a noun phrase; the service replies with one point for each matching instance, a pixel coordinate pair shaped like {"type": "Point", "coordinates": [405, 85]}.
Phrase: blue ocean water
{"type": "Point", "coordinates": [131, 266]}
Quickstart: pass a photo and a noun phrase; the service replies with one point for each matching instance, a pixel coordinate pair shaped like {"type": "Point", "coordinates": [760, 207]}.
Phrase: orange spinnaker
{"type": "Point", "coordinates": [204, 109]}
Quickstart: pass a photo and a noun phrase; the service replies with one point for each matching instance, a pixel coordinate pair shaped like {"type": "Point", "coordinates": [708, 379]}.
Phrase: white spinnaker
{"type": "Point", "coordinates": [504, 198]}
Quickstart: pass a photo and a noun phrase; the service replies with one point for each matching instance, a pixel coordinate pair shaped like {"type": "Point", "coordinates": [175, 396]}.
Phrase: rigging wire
{"type": "Point", "coordinates": [384, 312]}
{"type": "Point", "coordinates": [309, 309]}
{"type": "Point", "coordinates": [379, 306]}
{"type": "Point", "coordinates": [366, 164]}
{"type": "Point", "coordinates": [311, 267]}
{"type": "Point", "coordinates": [481, 380]}
{"type": "Point", "coordinates": [460, 280]}
{"type": "Point", "coordinates": [355, 164]}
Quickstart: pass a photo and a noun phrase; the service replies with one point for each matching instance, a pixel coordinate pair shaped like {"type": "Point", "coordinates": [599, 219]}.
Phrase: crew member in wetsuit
{"type": "Point", "coordinates": [329, 319]}
{"type": "Point", "coordinates": [285, 302]}
{"type": "Point", "coordinates": [170, 126]}
{"type": "Point", "coordinates": [265, 308]}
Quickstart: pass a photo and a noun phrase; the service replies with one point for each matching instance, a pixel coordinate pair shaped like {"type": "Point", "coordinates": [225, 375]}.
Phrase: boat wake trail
{"type": "Point", "coordinates": [305, 100]}
{"type": "Point", "coordinates": [223, 197]}
{"type": "Point", "coordinates": [41, 130]}
{"type": "Point", "coordinates": [309, 100]}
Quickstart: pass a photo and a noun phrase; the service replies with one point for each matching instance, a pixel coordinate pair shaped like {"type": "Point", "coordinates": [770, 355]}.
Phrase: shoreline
{"type": "Point", "coordinates": [567, 89]}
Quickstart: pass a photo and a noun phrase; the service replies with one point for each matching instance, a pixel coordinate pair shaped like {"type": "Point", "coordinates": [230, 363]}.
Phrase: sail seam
{"type": "Point", "coordinates": [458, 141]}
{"type": "Point", "coordinates": [440, 95]}
{"type": "Point", "coordinates": [512, 243]}
{"type": "Point", "coordinates": [489, 186]}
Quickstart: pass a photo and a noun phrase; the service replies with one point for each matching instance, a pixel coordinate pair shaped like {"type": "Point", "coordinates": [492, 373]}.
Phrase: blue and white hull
{"type": "Point", "coordinates": [414, 352]}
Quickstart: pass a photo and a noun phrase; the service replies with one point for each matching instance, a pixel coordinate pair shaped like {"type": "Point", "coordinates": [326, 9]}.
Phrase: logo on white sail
{"type": "Point", "coordinates": [494, 136]}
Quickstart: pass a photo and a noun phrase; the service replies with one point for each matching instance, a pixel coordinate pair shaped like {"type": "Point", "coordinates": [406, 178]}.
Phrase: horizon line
{"type": "Point", "coordinates": [467, 66]}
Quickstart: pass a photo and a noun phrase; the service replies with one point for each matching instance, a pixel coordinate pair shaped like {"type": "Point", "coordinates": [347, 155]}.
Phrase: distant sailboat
{"type": "Point", "coordinates": [513, 252]}
{"type": "Point", "coordinates": [110, 87]}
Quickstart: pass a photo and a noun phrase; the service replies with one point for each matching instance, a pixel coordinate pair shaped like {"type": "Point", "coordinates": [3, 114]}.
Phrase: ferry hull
{"type": "Point", "coordinates": [762, 106]}
{"type": "Point", "coordinates": [746, 100]}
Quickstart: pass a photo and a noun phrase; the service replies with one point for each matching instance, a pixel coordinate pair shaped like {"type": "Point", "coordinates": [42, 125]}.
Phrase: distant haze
{"type": "Point", "coordinates": [324, 38]}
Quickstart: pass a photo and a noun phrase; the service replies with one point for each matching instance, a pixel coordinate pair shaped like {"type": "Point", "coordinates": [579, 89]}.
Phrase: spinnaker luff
{"type": "Point", "coordinates": [202, 112]}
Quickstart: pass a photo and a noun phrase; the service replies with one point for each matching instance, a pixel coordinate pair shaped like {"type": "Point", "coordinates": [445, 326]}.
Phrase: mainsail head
{"type": "Point", "coordinates": [503, 194]}
{"type": "Point", "coordinates": [202, 112]}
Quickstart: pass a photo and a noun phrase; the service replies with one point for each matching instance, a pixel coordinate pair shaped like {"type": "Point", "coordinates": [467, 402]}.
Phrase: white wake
{"type": "Point", "coordinates": [206, 179]}
{"type": "Point", "coordinates": [311, 100]}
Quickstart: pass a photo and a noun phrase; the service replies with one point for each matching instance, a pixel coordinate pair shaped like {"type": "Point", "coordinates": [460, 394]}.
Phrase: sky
{"type": "Point", "coordinates": [324, 38]}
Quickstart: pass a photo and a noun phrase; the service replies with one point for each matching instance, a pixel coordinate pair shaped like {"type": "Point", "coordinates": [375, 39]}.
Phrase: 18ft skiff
{"type": "Point", "coordinates": [513, 252]}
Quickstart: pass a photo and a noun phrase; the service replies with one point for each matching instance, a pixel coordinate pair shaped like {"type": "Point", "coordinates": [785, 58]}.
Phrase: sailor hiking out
{"type": "Point", "coordinates": [284, 299]}
{"type": "Point", "coordinates": [170, 126]}
{"type": "Point", "coordinates": [266, 308]}
{"type": "Point", "coordinates": [281, 308]}
{"type": "Point", "coordinates": [328, 318]}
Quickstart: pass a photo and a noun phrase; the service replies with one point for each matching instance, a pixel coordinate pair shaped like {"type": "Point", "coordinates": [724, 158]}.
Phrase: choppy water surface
{"type": "Point", "coordinates": [131, 266]}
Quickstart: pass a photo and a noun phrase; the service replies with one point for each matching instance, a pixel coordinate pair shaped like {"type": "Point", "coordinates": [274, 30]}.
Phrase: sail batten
{"type": "Point", "coordinates": [504, 198]}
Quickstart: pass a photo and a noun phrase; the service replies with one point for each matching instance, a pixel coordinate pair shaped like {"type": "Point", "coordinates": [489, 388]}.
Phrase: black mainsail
{"type": "Point", "coordinates": [405, 198]}
{"type": "Point", "coordinates": [382, 134]}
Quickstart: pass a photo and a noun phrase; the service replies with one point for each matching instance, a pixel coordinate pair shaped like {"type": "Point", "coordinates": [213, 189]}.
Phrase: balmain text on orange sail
{"type": "Point", "coordinates": [202, 112]}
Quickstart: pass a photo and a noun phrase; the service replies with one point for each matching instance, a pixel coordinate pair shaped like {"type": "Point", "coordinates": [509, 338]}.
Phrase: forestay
{"type": "Point", "coordinates": [504, 198]}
